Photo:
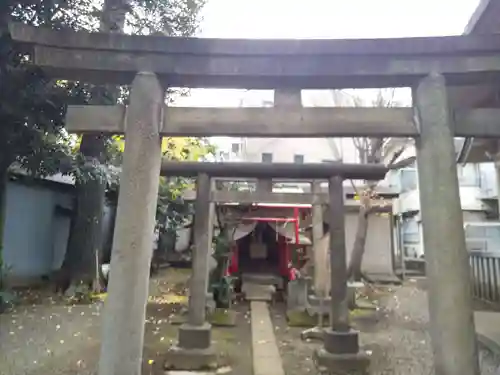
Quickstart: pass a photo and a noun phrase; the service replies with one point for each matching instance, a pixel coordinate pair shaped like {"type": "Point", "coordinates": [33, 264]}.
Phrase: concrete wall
{"type": "Point", "coordinates": [378, 258]}
{"type": "Point", "coordinates": [470, 197]}
{"type": "Point", "coordinates": [35, 235]}
{"type": "Point", "coordinates": [36, 232]}
{"type": "Point", "coordinates": [411, 233]}
{"type": "Point", "coordinates": [379, 243]}
{"type": "Point", "coordinates": [473, 216]}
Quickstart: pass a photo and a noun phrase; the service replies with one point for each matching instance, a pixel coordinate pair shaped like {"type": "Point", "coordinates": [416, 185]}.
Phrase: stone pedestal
{"type": "Point", "coordinates": [195, 337]}
{"type": "Point", "coordinates": [340, 354]}
{"type": "Point", "coordinates": [341, 342]}
{"type": "Point", "coordinates": [194, 350]}
{"type": "Point", "coordinates": [297, 294]}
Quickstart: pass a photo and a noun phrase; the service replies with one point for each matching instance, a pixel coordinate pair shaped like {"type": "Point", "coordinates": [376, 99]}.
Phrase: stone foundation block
{"type": "Point", "coordinates": [195, 337]}
{"type": "Point", "coordinates": [178, 358]}
{"type": "Point", "coordinates": [341, 342]}
{"type": "Point", "coordinates": [341, 364]}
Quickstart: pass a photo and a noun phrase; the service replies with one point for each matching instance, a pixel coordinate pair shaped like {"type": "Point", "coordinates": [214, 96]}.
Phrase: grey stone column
{"type": "Point", "coordinates": [194, 350]}
{"type": "Point", "coordinates": [339, 313]}
{"type": "Point", "coordinates": [448, 272]}
{"type": "Point", "coordinates": [340, 353]}
{"type": "Point", "coordinates": [317, 232]}
{"type": "Point", "coordinates": [201, 255]}
{"type": "Point", "coordinates": [315, 262]}
{"type": "Point", "coordinates": [125, 308]}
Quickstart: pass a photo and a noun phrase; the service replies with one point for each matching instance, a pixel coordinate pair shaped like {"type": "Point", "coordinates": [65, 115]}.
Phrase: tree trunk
{"type": "Point", "coordinates": [354, 271]}
{"type": "Point", "coordinates": [85, 243]}
{"type": "Point", "coordinates": [84, 246]}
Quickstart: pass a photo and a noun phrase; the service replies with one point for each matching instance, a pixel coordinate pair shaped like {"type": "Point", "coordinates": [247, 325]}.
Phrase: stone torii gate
{"type": "Point", "coordinates": [193, 350]}
{"type": "Point", "coordinates": [428, 65]}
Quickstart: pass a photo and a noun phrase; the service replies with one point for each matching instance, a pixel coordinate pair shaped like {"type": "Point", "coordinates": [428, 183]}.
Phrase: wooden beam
{"type": "Point", "coordinates": [307, 171]}
{"type": "Point", "coordinates": [262, 64]}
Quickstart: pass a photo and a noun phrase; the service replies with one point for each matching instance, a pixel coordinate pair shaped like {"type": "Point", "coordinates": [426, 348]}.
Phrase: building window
{"type": "Point", "coordinates": [267, 157]}
{"type": "Point", "coordinates": [298, 159]}
{"type": "Point", "coordinates": [235, 148]}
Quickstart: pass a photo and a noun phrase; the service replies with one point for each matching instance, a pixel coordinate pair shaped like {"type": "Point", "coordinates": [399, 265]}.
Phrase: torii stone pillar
{"type": "Point", "coordinates": [315, 263]}
{"type": "Point", "coordinates": [194, 350]}
{"type": "Point", "coordinates": [125, 307]}
{"type": "Point", "coordinates": [448, 271]}
{"type": "Point", "coordinates": [340, 353]}
{"type": "Point", "coordinates": [317, 228]}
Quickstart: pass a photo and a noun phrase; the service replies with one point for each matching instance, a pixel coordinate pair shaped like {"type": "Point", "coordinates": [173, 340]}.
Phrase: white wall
{"type": "Point", "coordinates": [470, 198]}
{"type": "Point", "coordinates": [379, 249]}
{"type": "Point", "coordinates": [314, 150]}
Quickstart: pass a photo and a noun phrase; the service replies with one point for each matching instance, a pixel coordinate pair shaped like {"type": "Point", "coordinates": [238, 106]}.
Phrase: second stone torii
{"type": "Point", "coordinates": [341, 346]}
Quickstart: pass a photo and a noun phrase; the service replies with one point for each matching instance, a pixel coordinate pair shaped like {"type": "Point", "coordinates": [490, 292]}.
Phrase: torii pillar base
{"type": "Point", "coordinates": [194, 351]}
{"type": "Point", "coordinates": [341, 355]}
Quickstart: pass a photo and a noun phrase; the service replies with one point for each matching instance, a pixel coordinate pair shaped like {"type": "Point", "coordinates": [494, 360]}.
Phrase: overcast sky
{"type": "Point", "coordinates": [323, 19]}
{"type": "Point", "coordinates": [335, 18]}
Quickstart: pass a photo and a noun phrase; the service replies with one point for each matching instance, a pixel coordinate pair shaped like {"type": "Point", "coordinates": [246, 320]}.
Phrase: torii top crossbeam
{"type": "Point", "coordinates": [262, 64]}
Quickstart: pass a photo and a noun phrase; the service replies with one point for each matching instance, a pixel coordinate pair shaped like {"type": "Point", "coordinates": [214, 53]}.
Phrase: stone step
{"type": "Point", "coordinates": [262, 279]}
{"type": "Point", "coordinates": [258, 292]}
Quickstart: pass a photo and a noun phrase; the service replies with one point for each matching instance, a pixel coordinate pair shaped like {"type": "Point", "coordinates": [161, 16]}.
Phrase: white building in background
{"type": "Point", "coordinates": [477, 181]}
{"type": "Point", "coordinates": [478, 195]}
{"type": "Point", "coordinates": [298, 150]}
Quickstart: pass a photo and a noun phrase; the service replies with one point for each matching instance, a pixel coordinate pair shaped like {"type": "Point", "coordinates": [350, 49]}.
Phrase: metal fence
{"type": "Point", "coordinates": [485, 274]}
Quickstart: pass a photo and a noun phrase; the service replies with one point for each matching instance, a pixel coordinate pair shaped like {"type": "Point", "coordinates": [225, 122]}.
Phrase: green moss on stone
{"type": "Point", "coordinates": [304, 320]}
{"type": "Point", "coordinates": [299, 318]}
{"type": "Point", "coordinates": [219, 318]}
{"type": "Point", "coordinates": [222, 318]}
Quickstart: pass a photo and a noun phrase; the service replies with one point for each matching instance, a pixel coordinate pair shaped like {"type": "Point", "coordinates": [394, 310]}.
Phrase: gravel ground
{"type": "Point", "coordinates": [45, 336]}
{"type": "Point", "coordinates": [34, 339]}
{"type": "Point", "coordinates": [396, 336]}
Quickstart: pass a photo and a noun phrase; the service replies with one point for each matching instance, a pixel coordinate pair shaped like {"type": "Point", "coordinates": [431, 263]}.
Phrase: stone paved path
{"type": "Point", "coordinates": [266, 355]}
